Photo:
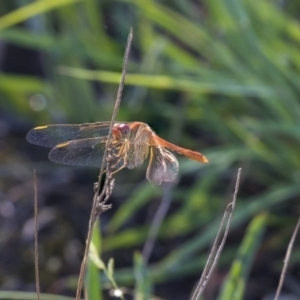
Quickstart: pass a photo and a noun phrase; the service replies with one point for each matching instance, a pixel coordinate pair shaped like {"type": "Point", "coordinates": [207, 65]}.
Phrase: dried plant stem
{"type": "Point", "coordinates": [156, 223]}
{"type": "Point", "coordinates": [218, 243]}
{"type": "Point", "coordinates": [99, 200]}
{"type": "Point", "coordinates": [36, 245]}
{"type": "Point", "coordinates": [286, 260]}
{"type": "Point", "coordinates": [117, 103]}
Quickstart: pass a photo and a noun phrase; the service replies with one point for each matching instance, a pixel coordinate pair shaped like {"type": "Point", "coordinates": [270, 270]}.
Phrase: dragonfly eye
{"type": "Point", "coordinates": [121, 130]}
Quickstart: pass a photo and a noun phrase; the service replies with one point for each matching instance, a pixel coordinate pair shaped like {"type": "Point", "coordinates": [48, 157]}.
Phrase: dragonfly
{"type": "Point", "coordinates": [131, 144]}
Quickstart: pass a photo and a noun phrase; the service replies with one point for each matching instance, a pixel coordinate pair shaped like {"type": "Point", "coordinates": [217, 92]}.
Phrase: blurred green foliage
{"type": "Point", "coordinates": [218, 76]}
{"type": "Point", "coordinates": [235, 284]}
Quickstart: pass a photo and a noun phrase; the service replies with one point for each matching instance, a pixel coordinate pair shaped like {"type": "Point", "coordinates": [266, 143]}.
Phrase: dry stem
{"type": "Point", "coordinates": [156, 223]}
{"type": "Point", "coordinates": [217, 246]}
{"type": "Point", "coordinates": [100, 200]}
{"type": "Point", "coordinates": [286, 260]}
{"type": "Point", "coordinates": [36, 245]}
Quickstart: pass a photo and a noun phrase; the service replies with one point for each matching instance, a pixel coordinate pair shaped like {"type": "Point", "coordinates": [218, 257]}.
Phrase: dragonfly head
{"type": "Point", "coordinates": [121, 131]}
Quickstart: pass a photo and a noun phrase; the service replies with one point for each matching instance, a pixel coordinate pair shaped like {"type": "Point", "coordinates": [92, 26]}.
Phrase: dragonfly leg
{"type": "Point", "coordinates": [123, 165]}
{"type": "Point", "coordinates": [121, 154]}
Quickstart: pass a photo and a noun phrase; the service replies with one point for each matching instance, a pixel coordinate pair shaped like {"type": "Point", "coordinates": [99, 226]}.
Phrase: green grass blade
{"type": "Point", "coordinates": [23, 13]}
{"type": "Point", "coordinates": [142, 288]}
{"type": "Point", "coordinates": [8, 295]}
{"type": "Point", "coordinates": [171, 83]}
{"type": "Point", "coordinates": [234, 286]}
{"type": "Point", "coordinates": [140, 196]}
{"type": "Point", "coordinates": [93, 281]}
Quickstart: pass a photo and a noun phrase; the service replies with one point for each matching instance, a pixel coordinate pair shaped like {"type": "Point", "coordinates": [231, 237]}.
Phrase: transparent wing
{"type": "Point", "coordinates": [86, 152]}
{"type": "Point", "coordinates": [52, 135]}
{"type": "Point", "coordinates": [138, 150]}
{"type": "Point", "coordinates": [163, 166]}
{"type": "Point", "coordinates": [136, 155]}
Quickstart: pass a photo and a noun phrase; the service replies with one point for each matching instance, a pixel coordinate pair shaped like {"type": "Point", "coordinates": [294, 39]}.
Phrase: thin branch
{"type": "Point", "coordinates": [36, 245]}
{"type": "Point", "coordinates": [156, 223]}
{"type": "Point", "coordinates": [286, 260]}
{"type": "Point", "coordinates": [118, 101]}
{"type": "Point", "coordinates": [106, 191]}
{"type": "Point", "coordinates": [217, 246]}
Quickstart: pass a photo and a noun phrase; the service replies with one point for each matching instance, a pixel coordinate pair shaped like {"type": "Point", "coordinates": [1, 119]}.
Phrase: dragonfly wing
{"type": "Point", "coordinates": [86, 152]}
{"type": "Point", "coordinates": [139, 146]}
{"type": "Point", "coordinates": [52, 135]}
{"type": "Point", "coordinates": [163, 166]}
{"type": "Point", "coordinates": [136, 155]}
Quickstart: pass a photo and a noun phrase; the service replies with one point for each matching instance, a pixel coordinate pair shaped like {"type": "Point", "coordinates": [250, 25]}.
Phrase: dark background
{"type": "Point", "coordinates": [219, 77]}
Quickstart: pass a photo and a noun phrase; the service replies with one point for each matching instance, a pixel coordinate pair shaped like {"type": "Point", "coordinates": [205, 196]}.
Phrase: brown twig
{"type": "Point", "coordinates": [286, 260]}
{"type": "Point", "coordinates": [98, 204]}
{"type": "Point", "coordinates": [217, 246]}
{"type": "Point", "coordinates": [36, 245]}
{"type": "Point", "coordinates": [156, 223]}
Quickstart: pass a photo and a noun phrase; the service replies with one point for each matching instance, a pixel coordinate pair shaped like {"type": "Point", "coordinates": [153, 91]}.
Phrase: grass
{"type": "Point", "coordinates": [222, 78]}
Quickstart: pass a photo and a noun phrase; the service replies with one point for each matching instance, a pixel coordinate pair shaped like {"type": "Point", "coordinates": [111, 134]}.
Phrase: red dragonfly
{"type": "Point", "coordinates": [84, 145]}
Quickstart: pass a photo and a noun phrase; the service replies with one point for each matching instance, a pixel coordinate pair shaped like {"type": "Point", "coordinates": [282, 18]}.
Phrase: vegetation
{"type": "Point", "coordinates": [220, 77]}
